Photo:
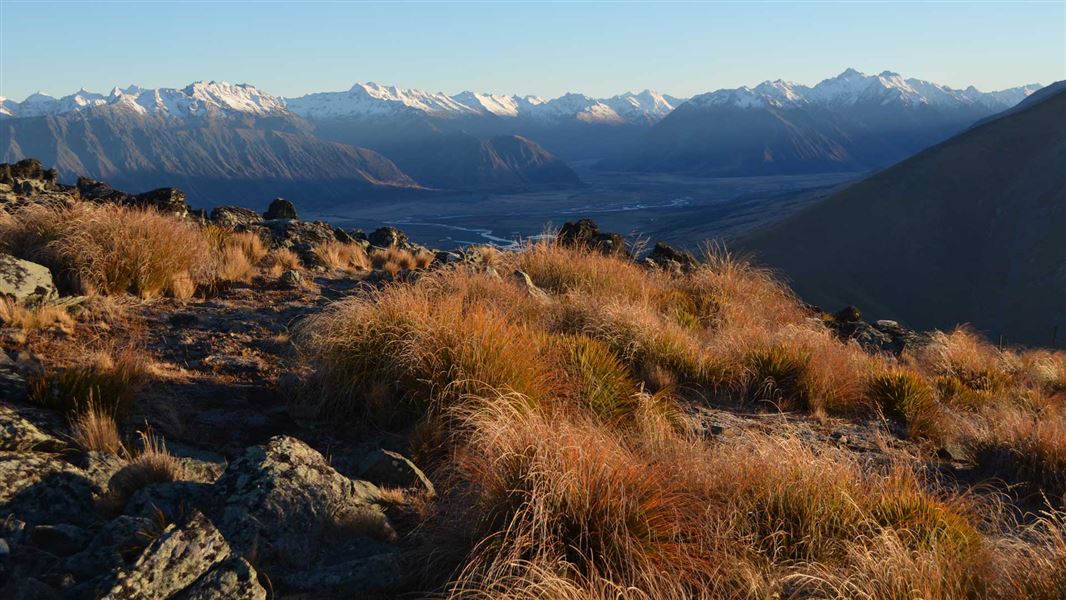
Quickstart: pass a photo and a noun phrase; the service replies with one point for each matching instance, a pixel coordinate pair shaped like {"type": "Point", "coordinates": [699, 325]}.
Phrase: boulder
{"type": "Point", "coordinates": [25, 282]}
{"type": "Point", "coordinates": [234, 216]}
{"type": "Point", "coordinates": [387, 237]}
{"type": "Point", "coordinates": [277, 496]}
{"type": "Point", "coordinates": [173, 562]}
{"type": "Point", "coordinates": [280, 208]}
{"type": "Point", "coordinates": [586, 234]}
{"type": "Point", "coordinates": [166, 200]}
{"type": "Point", "coordinates": [388, 468]}
{"type": "Point", "coordinates": [28, 169]}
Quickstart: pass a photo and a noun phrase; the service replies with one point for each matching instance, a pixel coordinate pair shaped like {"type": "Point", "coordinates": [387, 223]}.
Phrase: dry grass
{"type": "Point", "coordinates": [151, 464]}
{"type": "Point", "coordinates": [109, 249]}
{"type": "Point", "coordinates": [394, 260]}
{"type": "Point", "coordinates": [347, 257]}
{"type": "Point", "coordinates": [281, 260]}
{"type": "Point", "coordinates": [25, 318]}
{"type": "Point", "coordinates": [108, 382]}
{"type": "Point", "coordinates": [564, 477]}
{"type": "Point", "coordinates": [95, 429]}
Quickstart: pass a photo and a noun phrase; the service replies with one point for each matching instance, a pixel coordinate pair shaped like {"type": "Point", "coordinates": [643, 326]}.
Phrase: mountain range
{"type": "Point", "coordinates": [970, 230]}
{"type": "Point", "coordinates": [333, 147]}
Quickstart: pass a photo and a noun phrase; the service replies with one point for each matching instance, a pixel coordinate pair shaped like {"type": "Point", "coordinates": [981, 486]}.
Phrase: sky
{"type": "Point", "coordinates": [543, 48]}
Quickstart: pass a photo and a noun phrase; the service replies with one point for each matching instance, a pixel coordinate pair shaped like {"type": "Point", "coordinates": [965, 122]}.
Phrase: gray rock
{"type": "Point", "coordinates": [173, 562]}
{"type": "Point", "coordinates": [25, 282]}
{"type": "Point", "coordinates": [234, 216]}
{"type": "Point", "coordinates": [526, 283]}
{"type": "Point", "coordinates": [103, 552]}
{"type": "Point", "coordinates": [18, 431]}
{"type": "Point", "coordinates": [586, 234]}
{"type": "Point", "coordinates": [280, 497]}
{"type": "Point", "coordinates": [165, 200]}
{"type": "Point", "coordinates": [388, 468]}
{"type": "Point", "coordinates": [40, 488]}
{"type": "Point", "coordinates": [233, 580]}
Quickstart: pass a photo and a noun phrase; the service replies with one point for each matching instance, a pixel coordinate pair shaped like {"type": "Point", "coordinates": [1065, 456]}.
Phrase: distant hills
{"type": "Point", "coordinates": [217, 139]}
{"type": "Point", "coordinates": [970, 230]}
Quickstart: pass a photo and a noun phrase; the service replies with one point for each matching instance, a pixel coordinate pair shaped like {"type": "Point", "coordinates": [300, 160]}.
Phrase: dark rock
{"type": "Point", "coordinates": [586, 234]}
{"type": "Point", "coordinates": [60, 540]}
{"type": "Point", "coordinates": [343, 236]}
{"type": "Point", "coordinates": [25, 282]}
{"type": "Point", "coordinates": [280, 208]}
{"type": "Point", "coordinates": [365, 575]}
{"type": "Point", "coordinates": [98, 191]}
{"type": "Point", "coordinates": [385, 467]}
{"type": "Point", "coordinates": [234, 216]}
{"type": "Point", "coordinates": [104, 552]}
{"type": "Point", "coordinates": [387, 237]}
{"type": "Point", "coordinates": [165, 200]}
{"type": "Point", "coordinates": [666, 256]}
{"type": "Point", "coordinates": [848, 314]}
{"type": "Point", "coordinates": [183, 319]}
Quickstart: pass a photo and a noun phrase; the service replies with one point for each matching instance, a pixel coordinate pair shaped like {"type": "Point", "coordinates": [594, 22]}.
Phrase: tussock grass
{"type": "Point", "coordinates": [348, 257]}
{"type": "Point", "coordinates": [95, 429]}
{"type": "Point", "coordinates": [25, 318]}
{"type": "Point", "coordinates": [558, 429]}
{"type": "Point", "coordinates": [104, 382]}
{"type": "Point", "coordinates": [393, 260]}
{"type": "Point", "coordinates": [152, 463]}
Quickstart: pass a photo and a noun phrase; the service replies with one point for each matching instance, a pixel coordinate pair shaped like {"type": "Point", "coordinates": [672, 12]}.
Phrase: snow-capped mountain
{"type": "Point", "coordinates": [196, 99]}
{"type": "Point", "coordinates": [852, 88]}
{"type": "Point", "coordinates": [371, 99]}
{"type": "Point", "coordinates": [850, 122]}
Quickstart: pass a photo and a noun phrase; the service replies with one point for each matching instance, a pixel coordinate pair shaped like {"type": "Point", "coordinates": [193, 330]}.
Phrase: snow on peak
{"type": "Point", "coordinates": [374, 99]}
{"type": "Point", "coordinates": [497, 104]}
{"type": "Point", "coordinates": [648, 105]}
{"type": "Point", "coordinates": [195, 99]}
{"type": "Point", "coordinates": [852, 88]}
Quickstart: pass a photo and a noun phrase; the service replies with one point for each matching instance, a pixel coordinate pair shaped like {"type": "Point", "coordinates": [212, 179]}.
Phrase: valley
{"type": "Point", "coordinates": [680, 210]}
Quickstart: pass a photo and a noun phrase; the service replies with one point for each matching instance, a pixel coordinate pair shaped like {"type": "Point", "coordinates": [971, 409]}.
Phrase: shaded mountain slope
{"type": "Point", "coordinates": [209, 156]}
{"type": "Point", "coordinates": [461, 161]}
{"type": "Point", "coordinates": [970, 230]}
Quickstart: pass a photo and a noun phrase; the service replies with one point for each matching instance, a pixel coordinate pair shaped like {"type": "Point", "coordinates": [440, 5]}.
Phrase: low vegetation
{"type": "Point", "coordinates": [558, 407]}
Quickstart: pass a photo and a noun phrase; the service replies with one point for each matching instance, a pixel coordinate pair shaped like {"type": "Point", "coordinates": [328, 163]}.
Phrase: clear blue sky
{"type": "Point", "coordinates": [599, 48]}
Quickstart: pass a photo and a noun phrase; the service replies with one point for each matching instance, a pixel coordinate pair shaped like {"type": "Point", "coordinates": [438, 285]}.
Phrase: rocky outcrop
{"type": "Point", "coordinates": [586, 234]}
{"type": "Point", "coordinates": [279, 496]}
{"type": "Point", "coordinates": [167, 200]}
{"type": "Point", "coordinates": [234, 216]}
{"type": "Point", "coordinates": [665, 256]}
{"type": "Point", "coordinates": [19, 432]}
{"type": "Point", "coordinates": [191, 558]}
{"type": "Point", "coordinates": [387, 237]}
{"type": "Point", "coordinates": [25, 282]}
{"type": "Point", "coordinates": [880, 336]}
